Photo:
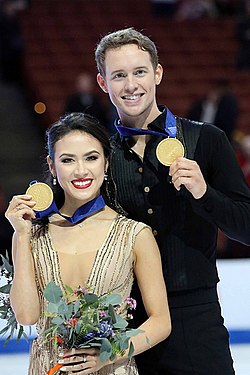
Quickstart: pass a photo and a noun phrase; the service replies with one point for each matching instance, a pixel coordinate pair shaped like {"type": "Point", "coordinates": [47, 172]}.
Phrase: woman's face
{"type": "Point", "coordinates": [79, 165]}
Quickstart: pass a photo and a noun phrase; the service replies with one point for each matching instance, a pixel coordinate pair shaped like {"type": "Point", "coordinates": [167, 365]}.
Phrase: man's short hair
{"type": "Point", "coordinates": [120, 38]}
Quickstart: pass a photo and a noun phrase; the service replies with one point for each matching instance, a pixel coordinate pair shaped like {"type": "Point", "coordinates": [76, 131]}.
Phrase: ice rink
{"type": "Point", "coordinates": [234, 292]}
{"type": "Point", "coordinates": [16, 364]}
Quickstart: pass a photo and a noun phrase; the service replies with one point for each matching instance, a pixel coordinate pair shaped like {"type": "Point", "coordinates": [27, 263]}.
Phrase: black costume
{"type": "Point", "coordinates": [186, 232]}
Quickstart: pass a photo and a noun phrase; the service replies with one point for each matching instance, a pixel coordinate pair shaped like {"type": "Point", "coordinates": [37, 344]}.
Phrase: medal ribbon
{"type": "Point", "coordinates": [85, 210]}
{"type": "Point", "coordinates": [170, 128]}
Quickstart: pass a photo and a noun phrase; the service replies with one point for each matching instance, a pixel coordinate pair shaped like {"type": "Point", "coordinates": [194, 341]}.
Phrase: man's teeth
{"type": "Point", "coordinates": [131, 97]}
{"type": "Point", "coordinates": [81, 183]}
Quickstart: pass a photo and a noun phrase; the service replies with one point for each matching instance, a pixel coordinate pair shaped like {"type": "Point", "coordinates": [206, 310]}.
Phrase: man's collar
{"type": "Point", "coordinates": [158, 124]}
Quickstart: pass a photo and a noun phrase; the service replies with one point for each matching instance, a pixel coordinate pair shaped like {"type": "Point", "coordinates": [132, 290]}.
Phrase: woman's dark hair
{"type": "Point", "coordinates": [76, 121]}
{"type": "Point", "coordinates": [87, 124]}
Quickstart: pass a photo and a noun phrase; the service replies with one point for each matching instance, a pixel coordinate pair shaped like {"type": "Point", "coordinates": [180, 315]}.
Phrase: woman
{"type": "Point", "coordinates": [103, 250]}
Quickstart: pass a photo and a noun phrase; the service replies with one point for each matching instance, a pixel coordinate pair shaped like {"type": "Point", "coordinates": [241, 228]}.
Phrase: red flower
{"type": "Point", "coordinates": [72, 322]}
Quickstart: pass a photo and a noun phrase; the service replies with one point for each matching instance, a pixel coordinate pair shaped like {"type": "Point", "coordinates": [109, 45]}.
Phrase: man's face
{"type": "Point", "coordinates": [130, 81]}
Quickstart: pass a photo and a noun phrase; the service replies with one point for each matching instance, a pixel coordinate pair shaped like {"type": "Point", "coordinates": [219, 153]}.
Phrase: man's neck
{"type": "Point", "coordinates": [139, 122]}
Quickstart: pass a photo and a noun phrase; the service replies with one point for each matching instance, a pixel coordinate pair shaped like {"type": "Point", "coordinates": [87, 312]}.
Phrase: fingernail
{"type": "Point", "coordinates": [61, 361]}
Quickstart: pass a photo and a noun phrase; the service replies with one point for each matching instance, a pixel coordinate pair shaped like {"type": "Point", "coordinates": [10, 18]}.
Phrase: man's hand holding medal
{"type": "Point", "coordinates": [183, 171]}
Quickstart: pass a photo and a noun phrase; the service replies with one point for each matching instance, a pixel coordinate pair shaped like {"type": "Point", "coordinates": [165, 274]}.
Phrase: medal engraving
{"type": "Point", "coordinates": [168, 150]}
{"type": "Point", "coordinates": [41, 194]}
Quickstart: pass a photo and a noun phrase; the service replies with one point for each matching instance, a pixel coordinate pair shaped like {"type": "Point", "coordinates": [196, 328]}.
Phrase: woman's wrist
{"type": "Point", "coordinates": [24, 235]}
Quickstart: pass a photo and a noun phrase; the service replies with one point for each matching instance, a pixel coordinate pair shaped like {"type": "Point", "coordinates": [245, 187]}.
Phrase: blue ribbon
{"type": "Point", "coordinates": [170, 128]}
{"type": "Point", "coordinates": [85, 210]}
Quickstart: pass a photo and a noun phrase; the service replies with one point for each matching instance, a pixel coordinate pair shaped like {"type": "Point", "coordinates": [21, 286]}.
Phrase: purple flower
{"type": "Point", "coordinates": [102, 314]}
{"type": "Point", "coordinates": [90, 336]}
{"type": "Point", "coordinates": [131, 303]}
{"type": "Point", "coordinates": [105, 329]}
{"type": "Point", "coordinates": [81, 290]}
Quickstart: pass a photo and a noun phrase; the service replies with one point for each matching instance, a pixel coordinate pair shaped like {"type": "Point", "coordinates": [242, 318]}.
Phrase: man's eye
{"type": "Point", "coordinates": [140, 72]}
{"type": "Point", "coordinates": [119, 76]}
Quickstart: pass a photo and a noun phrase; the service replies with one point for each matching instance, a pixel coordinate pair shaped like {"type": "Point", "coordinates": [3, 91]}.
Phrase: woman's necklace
{"type": "Point", "coordinates": [60, 221]}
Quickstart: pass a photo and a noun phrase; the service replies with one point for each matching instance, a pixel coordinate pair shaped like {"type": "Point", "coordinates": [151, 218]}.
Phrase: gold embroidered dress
{"type": "Point", "coordinates": [112, 270]}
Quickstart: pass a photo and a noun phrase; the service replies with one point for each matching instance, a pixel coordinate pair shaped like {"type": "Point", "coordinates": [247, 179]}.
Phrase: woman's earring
{"type": "Point", "coordinates": [105, 176]}
{"type": "Point", "coordinates": [54, 181]}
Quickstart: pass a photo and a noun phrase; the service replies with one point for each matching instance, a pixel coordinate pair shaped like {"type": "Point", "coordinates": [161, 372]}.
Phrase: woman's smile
{"type": "Point", "coordinates": [82, 183]}
{"type": "Point", "coordinates": [79, 166]}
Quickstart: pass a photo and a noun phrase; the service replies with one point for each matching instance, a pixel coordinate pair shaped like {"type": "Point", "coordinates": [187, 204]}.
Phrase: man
{"type": "Point", "coordinates": [181, 178]}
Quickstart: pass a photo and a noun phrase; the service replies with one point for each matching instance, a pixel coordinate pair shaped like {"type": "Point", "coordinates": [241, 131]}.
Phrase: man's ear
{"type": "Point", "coordinates": [51, 165]}
{"type": "Point", "coordinates": [158, 74]}
{"type": "Point", "coordinates": [101, 82]}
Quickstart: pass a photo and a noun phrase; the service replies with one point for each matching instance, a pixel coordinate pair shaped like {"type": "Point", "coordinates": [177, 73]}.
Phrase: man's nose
{"type": "Point", "coordinates": [131, 83]}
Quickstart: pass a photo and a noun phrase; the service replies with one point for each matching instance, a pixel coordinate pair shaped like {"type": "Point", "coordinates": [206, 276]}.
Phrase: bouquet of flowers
{"type": "Point", "coordinates": [81, 319]}
{"type": "Point", "coordinates": [6, 311]}
{"type": "Point", "coordinates": [78, 319]}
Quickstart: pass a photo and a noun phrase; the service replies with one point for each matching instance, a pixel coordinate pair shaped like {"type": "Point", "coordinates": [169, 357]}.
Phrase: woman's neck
{"type": "Point", "coordinates": [77, 212]}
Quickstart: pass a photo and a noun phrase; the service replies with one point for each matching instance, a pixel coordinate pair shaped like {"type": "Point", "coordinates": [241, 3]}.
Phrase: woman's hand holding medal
{"type": "Point", "coordinates": [20, 213]}
{"type": "Point", "coordinates": [21, 210]}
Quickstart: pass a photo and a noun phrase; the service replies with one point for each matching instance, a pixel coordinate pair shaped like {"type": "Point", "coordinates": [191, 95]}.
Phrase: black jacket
{"type": "Point", "coordinates": [185, 228]}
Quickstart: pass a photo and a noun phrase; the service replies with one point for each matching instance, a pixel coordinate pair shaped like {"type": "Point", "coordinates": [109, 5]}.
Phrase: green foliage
{"type": "Point", "coordinates": [12, 327]}
{"type": "Point", "coordinates": [78, 318]}
{"type": "Point", "coordinates": [81, 319]}
{"type": "Point", "coordinates": [53, 293]}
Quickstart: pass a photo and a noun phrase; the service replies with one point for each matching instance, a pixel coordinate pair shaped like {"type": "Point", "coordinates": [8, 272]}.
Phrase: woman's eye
{"type": "Point", "coordinates": [92, 157]}
{"type": "Point", "coordinates": [67, 160]}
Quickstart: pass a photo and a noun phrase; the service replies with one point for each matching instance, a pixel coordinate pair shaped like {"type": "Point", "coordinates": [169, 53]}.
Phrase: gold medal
{"type": "Point", "coordinates": [41, 194]}
{"type": "Point", "coordinates": [168, 150]}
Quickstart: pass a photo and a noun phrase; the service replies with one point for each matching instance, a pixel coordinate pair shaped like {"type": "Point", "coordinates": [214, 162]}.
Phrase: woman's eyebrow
{"type": "Point", "coordinates": [72, 155]}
